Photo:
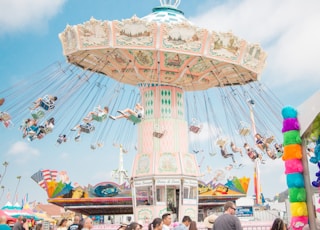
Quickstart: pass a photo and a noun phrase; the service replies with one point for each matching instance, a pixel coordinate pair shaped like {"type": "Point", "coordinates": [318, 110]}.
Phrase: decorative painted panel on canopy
{"type": "Point", "coordinates": [136, 51]}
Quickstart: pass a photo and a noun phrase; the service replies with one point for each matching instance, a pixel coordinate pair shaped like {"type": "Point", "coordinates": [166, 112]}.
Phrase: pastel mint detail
{"type": "Point", "coordinates": [166, 14]}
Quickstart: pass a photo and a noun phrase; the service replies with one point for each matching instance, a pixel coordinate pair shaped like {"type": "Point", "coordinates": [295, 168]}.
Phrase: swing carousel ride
{"type": "Point", "coordinates": [200, 102]}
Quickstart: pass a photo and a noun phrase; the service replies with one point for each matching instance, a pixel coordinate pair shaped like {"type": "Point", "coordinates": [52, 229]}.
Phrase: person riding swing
{"type": "Point", "coordinates": [47, 103]}
{"type": "Point", "coordinates": [134, 116]}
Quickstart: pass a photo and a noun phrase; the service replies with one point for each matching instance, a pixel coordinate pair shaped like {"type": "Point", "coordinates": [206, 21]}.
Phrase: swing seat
{"type": "Point", "coordinates": [271, 154]}
{"type": "Point", "coordinates": [195, 129]}
{"type": "Point", "coordinates": [4, 116]}
{"type": "Point", "coordinates": [252, 155]}
{"type": "Point", "coordinates": [61, 138]}
{"type": "Point", "coordinates": [47, 130]}
{"type": "Point", "coordinates": [100, 144]}
{"type": "Point", "coordinates": [195, 126]}
{"type": "Point", "coordinates": [99, 118]}
{"type": "Point", "coordinates": [59, 141]}
{"type": "Point", "coordinates": [134, 119]}
{"type": "Point", "coordinates": [269, 140]}
{"type": "Point", "coordinates": [31, 133]}
{"type": "Point", "coordinates": [32, 130]}
{"type": "Point", "coordinates": [244, 131]}
{"type": "Point", "coordinates": [37, 114]}
{"type": "Point", "coordinates": [221, 142]}
{"type": "Point", "coordinates": [279, 154]}
{"type": "Point", "coordinates": [87, 128]}
{"type": "Point", "coordinates": [244, 128]}
{"type": "Point", "coordinates": [40, 136]}
{"type": "Point", "coordinates": [225, 156]}
{"type": "Point", "coordinates": [158, 134]}
{"type": "Point", "coordinates": [7, 123]}
{"type": "Point", "coordinates": [46, 103]}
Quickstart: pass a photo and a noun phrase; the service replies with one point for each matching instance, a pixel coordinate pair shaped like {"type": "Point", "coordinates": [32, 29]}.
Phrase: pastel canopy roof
{"type": "Point", "coordinates": [165, 48]}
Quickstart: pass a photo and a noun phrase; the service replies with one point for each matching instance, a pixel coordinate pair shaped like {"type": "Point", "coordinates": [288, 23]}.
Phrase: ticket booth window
{"type": "Point", "coordinates": [160, 195]}
{"type": "Point", "coordinates": [189, 194]}
{"type": "Point", "coordinates": [144, 194]}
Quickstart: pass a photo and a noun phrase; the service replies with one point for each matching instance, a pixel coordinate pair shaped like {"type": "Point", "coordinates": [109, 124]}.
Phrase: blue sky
{"type": "Point", "coordinates": [287, 30]}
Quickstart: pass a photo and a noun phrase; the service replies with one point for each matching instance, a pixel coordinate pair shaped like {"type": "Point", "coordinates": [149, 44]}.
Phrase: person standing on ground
{"type": "Point", "coordinates": [39, 226]}
{"type": "Point", "coordinates": [62, 224]}
{"type": "Point", "coordinates": [88, 224]}
{"type": "Point", "coordinates": [156, 224]}
{"type": "Point", "coordinates": [3, 223]}
{"type": "Point", "coordinates": [166, 219]}
{"type": "Point", "coordinates": [76, 223]}
{"type": "Point", "coordinates": [18, 224]}
{"type": "Point", "coordinates": [123, 226]}
{"type": "Point", "coordinates": [25, 224]}
{"type": "Point", "coordinates": [278, 224]}
{"type": "Point", "coordinates": [193, 226]}
{"type": "Point", "coordinates": [228, 220]}
{"type": "Point", "coordinates": [209, 221]}
{"type": "Point", "coordinates": [134, 226]}
{"type": "Point", "coordinates": [186, 221]}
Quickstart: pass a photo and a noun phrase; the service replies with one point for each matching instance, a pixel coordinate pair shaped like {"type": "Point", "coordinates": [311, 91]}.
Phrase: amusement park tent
{"type": "Point", "coordinates": [44, 216]}
{"type": "Point", "coordinates": [16, 211]}
{"type": "Point", "coordinates": [9, 218]}
{"type": "Point", "coordinates": [9, 206]}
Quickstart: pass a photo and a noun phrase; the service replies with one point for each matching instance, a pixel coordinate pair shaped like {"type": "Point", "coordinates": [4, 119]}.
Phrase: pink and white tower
{"type": "Point", "coordinates": [164, 172]}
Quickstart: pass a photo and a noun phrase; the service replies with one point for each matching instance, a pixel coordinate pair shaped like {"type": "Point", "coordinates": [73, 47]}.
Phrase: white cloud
{"type": "Point", "coordinates": [287, 31]}
{"type": "Point", "coordinates": [21, 152]}
{"type": "Point", "coordinates": [17, 15]}
{"type": "Point", "coordinates": [22, 148]}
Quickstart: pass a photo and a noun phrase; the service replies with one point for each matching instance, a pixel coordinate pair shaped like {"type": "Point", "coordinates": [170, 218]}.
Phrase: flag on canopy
{"type": "Point", "coordinates": [37, 177]}
{"type": "Point", "coordinates": [54, 174]}
{"type": "Point", "coordinates": [46, 175]}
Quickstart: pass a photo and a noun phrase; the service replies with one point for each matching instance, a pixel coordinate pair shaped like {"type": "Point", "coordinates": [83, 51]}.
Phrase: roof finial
{"type": "Point", "coordinates": [172, 3]}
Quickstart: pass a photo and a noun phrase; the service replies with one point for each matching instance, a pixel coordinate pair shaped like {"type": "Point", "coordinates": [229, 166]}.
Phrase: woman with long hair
{"type": "Point", "coordinates": [193, 226]}
{"type": "Point", "coordinates": [62, 224]}
{"type": "Point", "coordinates": [156, 224]}
{"type": "Point", "coordinates": [278, 224]}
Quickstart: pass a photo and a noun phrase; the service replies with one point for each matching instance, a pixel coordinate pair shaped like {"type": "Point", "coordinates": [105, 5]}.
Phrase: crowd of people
{"type": "Point", "coordinates": [226, 221]}
{"type": "Point", "coordinates": [21, 224]}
